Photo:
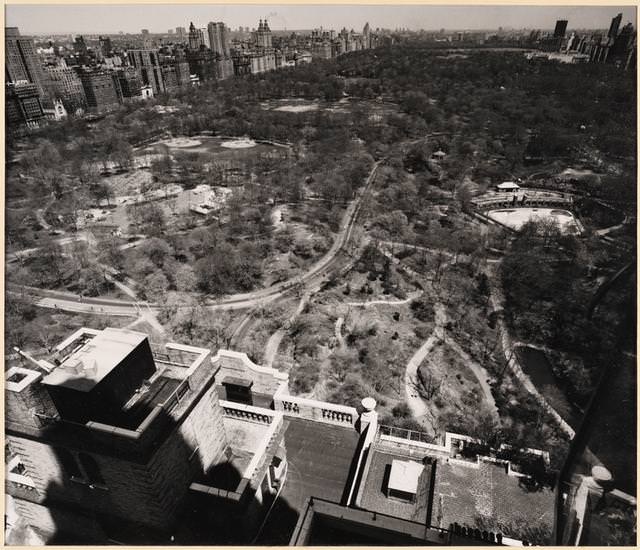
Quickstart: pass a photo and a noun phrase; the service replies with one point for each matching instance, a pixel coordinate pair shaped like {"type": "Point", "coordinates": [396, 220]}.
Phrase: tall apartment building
{"type": "Point", "coordinates": [175, 73]}
{"type": "Point", "coordinates": [63, 83]}
{"type": "Point", "coordinates": [21, 60]}
{"type": "Point", "coordinates": [101, 89]}
{"type": "Point", "coordinates": [147, 63]}
{"type": "Point", "coordinates": [561, 28]}
{"type": "Point", "coordinates": [219, 38]}
{"type": "Point", "coordinates": [262, 37]}
{"type": "Point", "coordinates": [80, 46]}
{"type": "Point", "coordinates": [615, 26]}
{"type": "Point", "coordinates": [146, 39]}
{"type": "Point", "coordinates": [23, 106]}
{"type": "Point", "coordinates": [196, 37]}
{"type": "Point", "coordinates": [204, 33]}
{"type": "Point", "coordinates": [129, 83]}
{"type": "Point", "coordinates": [321, 49]}
{"type": "Point", "coordinates": [260, 56]}
{"type": "Point", "coordinates": [366, 36]}
{"type": "Point", "coordinates": [203, 63]}
{"type": "Point", "coordinates": [111, 440]}
{"type": "Point", "coordinates": [105, 46]}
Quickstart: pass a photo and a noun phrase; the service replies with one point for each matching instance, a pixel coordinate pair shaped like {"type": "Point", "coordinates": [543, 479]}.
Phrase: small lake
{"type": "Point", "coordinates": [536, 365]}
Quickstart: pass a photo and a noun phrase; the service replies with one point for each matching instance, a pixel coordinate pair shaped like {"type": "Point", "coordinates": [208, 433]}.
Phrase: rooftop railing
{"type": "Point", "coordinates": [310, 409]}
{"type": "Point", "coordinates": [247, 412]}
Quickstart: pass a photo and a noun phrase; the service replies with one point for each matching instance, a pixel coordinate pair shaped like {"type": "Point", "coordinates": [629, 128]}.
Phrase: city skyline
{"type": "Point", "coordinates": [90, 19]}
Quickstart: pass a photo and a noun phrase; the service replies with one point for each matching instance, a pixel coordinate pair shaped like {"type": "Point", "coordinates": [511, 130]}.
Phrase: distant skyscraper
{"type": "Point", "coordinates": [263, 35]}
{"type": "Point", "coordinates": [181, 33]}
{"type": "Point", "coordinates": [219, 38]}
{"type": "Point", "coordinates": [196, 38]}
{"type": "Point", "coordinates": [147, 64]}
{"type": "Point", "coordinates": [146, 39]}
{"type": "Point", "coordinates": [105, 45]}
{"type": "Point", "coordinates": [622, 44]}
{"type": "Point", "coordinates": [205, 37]}
{"type": "Point", "coordinates": [561, 28]}
{"type": "Point", "coordinates": [80, 46]}
{"type": "Point", "coordinates": [615, 26]}
{"type": "Point", "coordinates": [366, 36]}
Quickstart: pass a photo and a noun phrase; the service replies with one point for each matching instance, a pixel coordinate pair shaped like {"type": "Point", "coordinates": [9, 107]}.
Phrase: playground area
{"type": "Point", "coordinates": [515, 218]}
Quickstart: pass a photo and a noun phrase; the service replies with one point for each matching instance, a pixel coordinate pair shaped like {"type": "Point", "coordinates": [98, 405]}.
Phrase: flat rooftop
{"type": "Point", "coordinates": [378, 478]}
{"type": "Point", "coordinates": [95, 359]}
{"type": "Point", "coordinates": [320, 459]}
{"type": "Point", "coordinates": [487, 498]}
{"type": "Point", "coordinates": [131, 416]}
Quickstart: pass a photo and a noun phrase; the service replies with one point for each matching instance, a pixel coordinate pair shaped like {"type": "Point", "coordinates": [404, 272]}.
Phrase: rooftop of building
{"type": "Point", "coordinates": [459, 485]}
{"type": "Point", "coordinates": [93, 358]}
{"type": "Point", "coordinates": [320, 463]}
{"type": "Point", "coordinates": [487, 498]}
{"type": "Point", "coordinates": [114, 386]}
{"type": "Point", "coordinates": [379, 480]}
{"type": "Point", "coordinates": [326, 523]}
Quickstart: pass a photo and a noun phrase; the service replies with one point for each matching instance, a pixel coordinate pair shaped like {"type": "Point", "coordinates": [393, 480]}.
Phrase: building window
{"type": "Point", "coordinates": [91, 468]}
{"type": "Point", "coordinates": [68, 462]}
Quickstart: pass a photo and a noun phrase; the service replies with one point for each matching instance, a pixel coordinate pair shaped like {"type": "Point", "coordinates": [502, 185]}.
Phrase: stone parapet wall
{"type": "Point", "coordinates": [310, 409]}
{"type": "Point", "coordinates": [266, 380]}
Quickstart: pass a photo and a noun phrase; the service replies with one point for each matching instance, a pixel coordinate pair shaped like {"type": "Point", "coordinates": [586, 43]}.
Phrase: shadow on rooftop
{"type": "Point", "coordinates": [102, 492]}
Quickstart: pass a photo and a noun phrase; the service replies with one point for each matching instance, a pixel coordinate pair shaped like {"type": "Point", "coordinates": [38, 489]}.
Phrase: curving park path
{"type": "Point", "coordinates": [271, 349]}
{"type": "Point", "coordinates": [411, 381]}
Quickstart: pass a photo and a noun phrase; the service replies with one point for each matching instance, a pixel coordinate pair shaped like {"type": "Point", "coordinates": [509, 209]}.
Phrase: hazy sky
{"type": "Point", "coordinates": [160, 17]}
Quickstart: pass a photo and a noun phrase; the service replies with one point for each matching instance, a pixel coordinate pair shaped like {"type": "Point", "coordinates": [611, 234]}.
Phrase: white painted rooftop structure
{"type": "Point", "coordinates": [507, 186]}
{"type": "Point", "coordinates": [404, 476]}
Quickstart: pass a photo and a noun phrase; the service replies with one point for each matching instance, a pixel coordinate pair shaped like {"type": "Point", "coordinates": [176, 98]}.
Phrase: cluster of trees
{"type": "Point", "coordinates": [53, 267]}
{"type": "Point", "coordinates": [549, 283]}
{"type": "Point", "coordinates": [508, 107]}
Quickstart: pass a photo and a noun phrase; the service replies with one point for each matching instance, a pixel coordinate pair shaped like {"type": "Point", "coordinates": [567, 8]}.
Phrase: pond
{"type": "Point", "coordinates": [536, 366]}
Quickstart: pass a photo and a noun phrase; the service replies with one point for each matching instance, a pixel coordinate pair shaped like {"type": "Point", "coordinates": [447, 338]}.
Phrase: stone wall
{"type": "Point", "coordinates": [204, 429]}
{"type": "Point", "coordinates": [145, 493]}
{"type": "Point", "coordinates": [266, 380]}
